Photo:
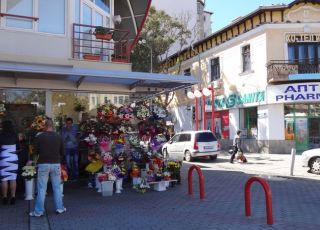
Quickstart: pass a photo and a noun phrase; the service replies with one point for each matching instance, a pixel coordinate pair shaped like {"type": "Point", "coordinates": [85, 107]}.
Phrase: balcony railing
{"type": "Point", "coordinates": [111, 48]}
{"type": "Point", "coordinates": [279, 70]}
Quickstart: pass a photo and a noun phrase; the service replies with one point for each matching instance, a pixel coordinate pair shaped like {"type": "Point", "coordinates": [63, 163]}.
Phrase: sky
{"type": "Point", "coordinates": [224, 11]}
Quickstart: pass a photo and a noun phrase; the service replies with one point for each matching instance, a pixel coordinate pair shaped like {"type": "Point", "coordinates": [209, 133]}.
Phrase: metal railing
{"type": "Point", "coordinates": [111, 48]}
{"type": "Point", "coordinates": [279, 70]}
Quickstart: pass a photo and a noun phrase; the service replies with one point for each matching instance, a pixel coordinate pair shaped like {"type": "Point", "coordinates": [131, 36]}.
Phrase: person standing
{"type": "Point", "coordinates": [9, 145]}
{"type": "Point", "coordinates": [69, 134]}
{"type": "Point", "coordinates": [49, 147]}
{"type": "Point", "coordinates": [236, 145]}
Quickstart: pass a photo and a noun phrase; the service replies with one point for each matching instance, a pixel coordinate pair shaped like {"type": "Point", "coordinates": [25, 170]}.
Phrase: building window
{"type": "Point", "coordinates": [246, 62]}
{"type": "Point", "coordinates": [52, 16]}
{"type": "Point", "coordinates": [126, 99]}
{"type": "Point", "coordinates": [22, 8]}
{"type": "Point", "coordinates": [93, 100]}
{"type": "Point", "coordinates": [115, 99]}
{"type": "Point", "coordinates": [106, 100]}
{"type": "Point", "coordinates": [121, 100]}
{"type": "Point", "coordinates": [187, 72]}
{"type": "Point", "coordinates": [215, 69]}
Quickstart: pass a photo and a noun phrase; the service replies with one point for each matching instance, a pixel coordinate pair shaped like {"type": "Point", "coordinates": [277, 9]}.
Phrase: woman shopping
{"type": "Point", "coordinates": [9, 145]}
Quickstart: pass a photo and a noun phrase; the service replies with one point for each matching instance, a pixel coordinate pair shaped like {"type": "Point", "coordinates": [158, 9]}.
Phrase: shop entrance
{"type": "Point", "coordinates": [314, 133]}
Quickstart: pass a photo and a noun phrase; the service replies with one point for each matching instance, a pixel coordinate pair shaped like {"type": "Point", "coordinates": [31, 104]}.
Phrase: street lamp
{"type": "Point", "coordinates": [203, 93]}
{"type": "Point", "coordinates": [143, 42]}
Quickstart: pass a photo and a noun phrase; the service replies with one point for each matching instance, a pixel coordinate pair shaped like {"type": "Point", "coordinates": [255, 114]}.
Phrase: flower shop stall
{"type": "Point", "coordinates": [124, 145]}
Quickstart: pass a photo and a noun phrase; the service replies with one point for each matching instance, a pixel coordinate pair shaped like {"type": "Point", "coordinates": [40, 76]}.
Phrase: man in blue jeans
{"type": "Point", "coordinates": [69, 135]}
{"type": "Point", "coordinates": [49, 147]}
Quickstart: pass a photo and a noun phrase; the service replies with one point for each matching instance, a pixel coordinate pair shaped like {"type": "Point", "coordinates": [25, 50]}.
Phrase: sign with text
{"type": "Point", "coordinates": [290, 93]}
{"type": "Point", "coordinates": [304, 37]}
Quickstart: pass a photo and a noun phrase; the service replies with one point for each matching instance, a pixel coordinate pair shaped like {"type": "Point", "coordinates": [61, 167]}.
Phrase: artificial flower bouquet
{"type": "Point", "coordinates": [143, 186]}
{"type": "Point", "coordinates": [29, 171]}
{"type": "Point", "coordinates": [95, 163]}
{"type": "Point", "coordinates": [106, 176]}
{"type": "Point", "coordinates": [91, 140]}
{"type": "Point", "coordinates": [142, 112]}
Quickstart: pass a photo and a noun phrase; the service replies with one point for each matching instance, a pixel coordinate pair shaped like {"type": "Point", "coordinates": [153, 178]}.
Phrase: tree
{"type": "Point", "coordinates": [160, 32]}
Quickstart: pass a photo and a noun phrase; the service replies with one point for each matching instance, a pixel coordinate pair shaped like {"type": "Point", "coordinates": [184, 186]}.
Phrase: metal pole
{"type": "Point", "coordinates": [204, 121]}
{"type": "Point", "coordinates": [293, 156]}
{"type": "Point", "coordinates": [212, 109]}
{"type": "Point", "coordinates": [197, 115]}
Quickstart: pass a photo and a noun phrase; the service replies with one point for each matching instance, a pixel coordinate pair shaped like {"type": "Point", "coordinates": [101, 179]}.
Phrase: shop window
{"type": "Point", "coordinates": [301, 110]}
{"type": "Point", "coordinates": [314, 110]}
{"type": "Point", "coordinates": [115, 100]}
{"type": "Point", "coordinates": [215, 69]}
{"type": "Point", "coordinates": [289, 110]}
{"type": "Point", "coordinates": [249, 122]}
{"type": "Point", "coordinates": [106, 100]}
{"type": "Point", "coordinates": [246, 59]}
{"type": "Point", "coordinates": [126, 99]}
{"type": "Point", "coordinates": [289, 128]}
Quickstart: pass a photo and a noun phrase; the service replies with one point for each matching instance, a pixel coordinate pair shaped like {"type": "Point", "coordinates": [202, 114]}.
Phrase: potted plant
{"type": "Point", "coordinates": [93, 57]}
{"type": "Point", "coordinates": [103, 33]}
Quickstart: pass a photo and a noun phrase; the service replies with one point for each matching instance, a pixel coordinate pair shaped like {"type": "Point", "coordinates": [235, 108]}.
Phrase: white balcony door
{"type": "Point", "coordinates": [91, 14]}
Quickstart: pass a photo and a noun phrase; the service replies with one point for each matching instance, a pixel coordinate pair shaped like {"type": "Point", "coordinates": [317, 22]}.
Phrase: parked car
{"type": "Point", "coordinates": [191, 144]}
{"type": "Point", "coordinates": [311, 159]}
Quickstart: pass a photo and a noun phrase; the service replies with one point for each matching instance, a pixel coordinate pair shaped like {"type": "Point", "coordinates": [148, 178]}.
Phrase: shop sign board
{"type": "Point", "coordinates": [237, 100]}
{"type": "Point", "coordinates": [296, 92]}
{"type": "Point", "coordinates": [302, 37]}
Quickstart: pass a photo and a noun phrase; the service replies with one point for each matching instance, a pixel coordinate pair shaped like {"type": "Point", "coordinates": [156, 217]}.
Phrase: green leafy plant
{"type": "Point", "coordinates": [102, 30]}
{"type": "Point", "coordinates": [79, 106]}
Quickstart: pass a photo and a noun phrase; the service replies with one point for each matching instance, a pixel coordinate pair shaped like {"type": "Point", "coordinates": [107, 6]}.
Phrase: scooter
{"type": "Point", "coordinates": [239, 155]}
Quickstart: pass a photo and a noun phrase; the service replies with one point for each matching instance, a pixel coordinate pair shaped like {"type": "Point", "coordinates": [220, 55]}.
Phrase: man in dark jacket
{"type": "Point", "coordinates": [236, 145]}
{"type": "Point", "coordinates": [50, 148]}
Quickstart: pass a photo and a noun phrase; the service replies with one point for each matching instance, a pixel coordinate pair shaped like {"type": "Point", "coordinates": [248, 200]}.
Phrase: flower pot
{"type": "Point", "coordinates": [94, 57]}
{"type": "Point", "coordinates": [107, 37]}
{"type": "Point", "coordinates": [29, 188]}
{"type": "Point", "coordinates": [107, 188]}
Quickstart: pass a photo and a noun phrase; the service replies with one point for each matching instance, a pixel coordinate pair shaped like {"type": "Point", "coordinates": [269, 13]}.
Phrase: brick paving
{"type": "Point", "coordinates": [295, 203]}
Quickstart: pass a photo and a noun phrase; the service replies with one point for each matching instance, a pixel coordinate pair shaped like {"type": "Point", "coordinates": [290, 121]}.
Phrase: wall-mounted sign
{"type": "Point", "coordinates": [239, 100]}
{"type": "Point", "coordinates": [298, 92]}
{"type": "Point", "coordinates": [302, 38]}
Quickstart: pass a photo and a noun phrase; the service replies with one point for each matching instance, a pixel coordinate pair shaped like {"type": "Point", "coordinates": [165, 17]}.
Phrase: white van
{"type": "Point", "coordinates": [191, 144]}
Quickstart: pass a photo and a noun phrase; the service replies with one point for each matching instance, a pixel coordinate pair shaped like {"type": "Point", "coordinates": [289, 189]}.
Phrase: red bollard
{"type": "Point", "coordinates": [268, 196]}
{"type": "Point", "coordinates": [201, 180]}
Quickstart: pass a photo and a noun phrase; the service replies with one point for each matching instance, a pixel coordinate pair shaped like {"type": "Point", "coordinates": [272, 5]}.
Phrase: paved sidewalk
{"type": "Point", "coordinates": [295, 202]}
{"type": "Point", "coordinates": [262, 164]}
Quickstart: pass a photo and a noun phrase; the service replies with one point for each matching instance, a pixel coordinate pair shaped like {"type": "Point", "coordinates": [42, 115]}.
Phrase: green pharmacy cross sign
{"type": "Point", "coordinates": [238, 100]}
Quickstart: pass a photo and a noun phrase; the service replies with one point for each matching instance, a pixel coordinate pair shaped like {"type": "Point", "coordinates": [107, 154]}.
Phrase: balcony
{"type": "Point", "coordinates": [279, 70]}
{"type": "Point", "coordinates": [111, 46]}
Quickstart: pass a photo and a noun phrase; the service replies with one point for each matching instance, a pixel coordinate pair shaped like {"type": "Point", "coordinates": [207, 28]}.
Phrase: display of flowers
{"type": "Point", "coordinates": [173, 166]}
{"type": "Point", "coordinates": [107, 159]}
{"type": "Point", "coordinates": [158, 111]}
{"type": "Point", "coordinates": [29, 171]}
{"type": "Point", "coordinates": [95, 162]}
{"type": "Point", "coordinates": [157, 142]}
{"type": "Point", "coordinates": [134, 140]}
{"type": "Point", "coordinates": [104, 144]}
{"type": "Point", "coordinates": [125, 113]}
{"type": "Point", "coordinates": [106, 176]}
{"type": "Point", "coordinates": [91, 140]}
{"type": "Point", "coordinates": [143, 186]}
{"type": "Point", "coordinates": [166, 175]}
{"type": "Point", "coordinates": [142, 112]}
{"type": "Point", "coordinates": [39, 122]}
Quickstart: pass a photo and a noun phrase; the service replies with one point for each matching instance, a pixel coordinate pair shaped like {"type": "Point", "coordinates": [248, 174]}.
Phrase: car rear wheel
{"type": "Point", "coordinates": [213, 157]}
{"type": "Point", "coordinates": [188, 156]}
{"type": "Point", "coordinates": [315, 165]}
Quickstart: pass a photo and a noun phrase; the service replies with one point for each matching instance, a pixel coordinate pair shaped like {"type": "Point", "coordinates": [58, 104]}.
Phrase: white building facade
{"type": "Point", "coordinates": [264, 69]}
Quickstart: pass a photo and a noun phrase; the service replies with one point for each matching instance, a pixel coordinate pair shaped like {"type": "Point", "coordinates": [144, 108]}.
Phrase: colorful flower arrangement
{"type": "Point", "coordinates": [29, 171]}
{"type": "Point", "coordinates": [106, 176]}
{"type": "Point", "coordinates": [125, 113]}
{"type": "Point", "coordinates": [39, 122]}
{"type": "Point", "coordinates": [173, 166]}
{"type": "Point", "coordinates": [143, 186]}
{"type": "Point", "coordinates": [157, 142]}
{"type": "Point", "coordinates": [91, 140]}
{"type": "Point", "coordinates": [95, 163]}
{"type": "Point", "coordinates": [158, 111]}
{"type": "Point", "coordinates": [142, 112]}
{"type": "Point", "coordinates": [134, 140]}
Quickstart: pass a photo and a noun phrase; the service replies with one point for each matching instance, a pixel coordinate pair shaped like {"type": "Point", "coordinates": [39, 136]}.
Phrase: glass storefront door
{"type": "Point", "coordinates": [314, 133]}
